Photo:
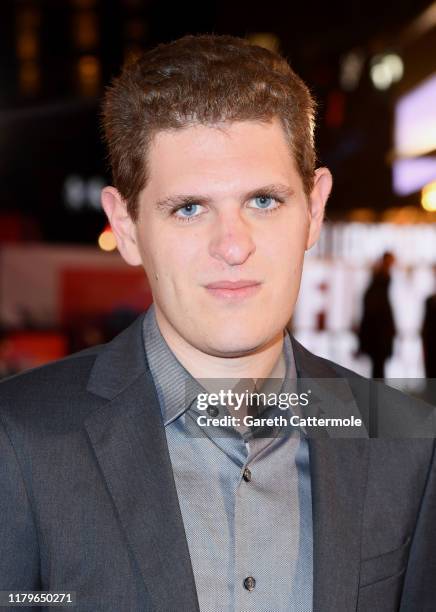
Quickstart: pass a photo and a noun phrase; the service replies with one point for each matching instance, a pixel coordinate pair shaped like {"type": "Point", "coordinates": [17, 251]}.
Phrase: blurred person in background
{"type": "Point", "coordinates": [377, 327]}
{"type": "Point", "coordinates": [110, 485]}
{"type": "Point", "coordinates": [428, 334]}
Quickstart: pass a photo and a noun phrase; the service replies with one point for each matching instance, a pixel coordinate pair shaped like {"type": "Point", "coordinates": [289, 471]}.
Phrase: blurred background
{"type": "Point", "coordinates": [366, 299]}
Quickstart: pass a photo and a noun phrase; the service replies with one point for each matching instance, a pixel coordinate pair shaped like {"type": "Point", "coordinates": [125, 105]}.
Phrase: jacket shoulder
{"type": "Point", "coordinates": [48, 391]}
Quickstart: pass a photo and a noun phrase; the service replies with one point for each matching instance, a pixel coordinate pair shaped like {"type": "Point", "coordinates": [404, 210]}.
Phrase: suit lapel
{"type": "Point", "coordinates": [128, 438]}
{"type": "Point", "coordinates": [339, 469]}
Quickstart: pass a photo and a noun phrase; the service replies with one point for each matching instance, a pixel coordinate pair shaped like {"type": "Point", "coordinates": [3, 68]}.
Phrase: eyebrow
{"type": "Point", "coordinates": [179, 200]}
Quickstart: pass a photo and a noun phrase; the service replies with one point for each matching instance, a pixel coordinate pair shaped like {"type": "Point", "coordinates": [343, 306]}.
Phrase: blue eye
{"type": "Point", "coordinates": [264, 201]}
{"type": "Point", "coordinates": [188, 210]}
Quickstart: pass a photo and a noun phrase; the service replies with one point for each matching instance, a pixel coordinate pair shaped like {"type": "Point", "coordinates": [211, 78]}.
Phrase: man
{"type": "Point", "coordinates": [428, 333]}
{"type": "Point", "coordinates": [377, 327]}
{"type": "Point", "coordinates": [112, 485]}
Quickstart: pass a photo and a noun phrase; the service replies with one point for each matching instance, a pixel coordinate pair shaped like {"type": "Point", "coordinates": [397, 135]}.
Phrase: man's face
{"type": "Point", "coordinates": [222, 230]}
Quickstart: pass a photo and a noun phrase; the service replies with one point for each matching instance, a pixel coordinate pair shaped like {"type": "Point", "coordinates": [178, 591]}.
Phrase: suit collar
{"type": "Point", "coordinates": [331, 395]}
{"type": "Point", "coordinates": [119, 362]}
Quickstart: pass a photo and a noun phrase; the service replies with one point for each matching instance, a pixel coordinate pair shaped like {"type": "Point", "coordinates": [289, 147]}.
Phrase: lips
{"type": "Point", "coordinates": [242, 284]}
{"type": "Point", "coordinates": [233, 291]}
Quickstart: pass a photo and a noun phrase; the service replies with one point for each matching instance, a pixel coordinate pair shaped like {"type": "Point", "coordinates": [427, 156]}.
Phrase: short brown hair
{"type": "Point", "coordinates": [204, 79]}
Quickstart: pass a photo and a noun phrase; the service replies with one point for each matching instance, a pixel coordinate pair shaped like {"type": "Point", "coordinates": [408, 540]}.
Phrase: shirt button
{"type": "Point", "coordinates": [247, 477]}
{"type": "Point", "coordinates": [249, 583]}
{"type": "Point", "coordinates": [212, 411]}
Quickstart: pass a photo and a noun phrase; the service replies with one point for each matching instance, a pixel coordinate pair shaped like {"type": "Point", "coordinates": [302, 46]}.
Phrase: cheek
{"type": "Point", "coordinates": [285, 253]}
{"type": "Point", "coordinates": [285, 260]}
{"type": "Point", "coordinates": [174, 258]}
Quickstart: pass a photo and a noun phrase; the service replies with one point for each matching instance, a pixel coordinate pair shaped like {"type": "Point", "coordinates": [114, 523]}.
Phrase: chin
{"type": "Point", "coordinates": [234, 344]}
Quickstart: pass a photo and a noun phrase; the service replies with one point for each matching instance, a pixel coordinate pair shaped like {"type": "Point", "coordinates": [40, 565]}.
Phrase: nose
{"type": "Point", "coordinates": [232, 241]}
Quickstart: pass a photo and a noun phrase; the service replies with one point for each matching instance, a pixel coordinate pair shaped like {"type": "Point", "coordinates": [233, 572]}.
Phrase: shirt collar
{"type": "Point", "coordinates": [176, 388]}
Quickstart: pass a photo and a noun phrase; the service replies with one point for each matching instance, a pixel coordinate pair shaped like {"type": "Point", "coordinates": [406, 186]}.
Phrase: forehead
{"type": "Point", "coordinates": [225, 153]}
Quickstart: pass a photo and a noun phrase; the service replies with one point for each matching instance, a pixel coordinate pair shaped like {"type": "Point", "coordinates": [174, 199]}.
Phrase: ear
{"type": "Point", "coordinates": [122, 225]}
{"type": "Point", "coordinates": [317, 201]}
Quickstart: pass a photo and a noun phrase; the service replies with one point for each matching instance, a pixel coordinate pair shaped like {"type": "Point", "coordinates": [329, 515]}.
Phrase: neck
{"type": "Point", "coordinates": [261, 363]}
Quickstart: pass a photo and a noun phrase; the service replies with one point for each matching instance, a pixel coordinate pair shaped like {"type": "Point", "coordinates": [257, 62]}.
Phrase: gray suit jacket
{"type": "Point", "coordinates": [88, 501]}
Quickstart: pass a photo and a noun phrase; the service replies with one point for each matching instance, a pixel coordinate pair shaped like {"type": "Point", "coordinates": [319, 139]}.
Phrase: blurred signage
{"type": "Point", "coordinates": [362, 243]}
{"type": "Point", "coordinates": [329, 310]}
{"type": "Point", "coordinates": [83, 193]}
